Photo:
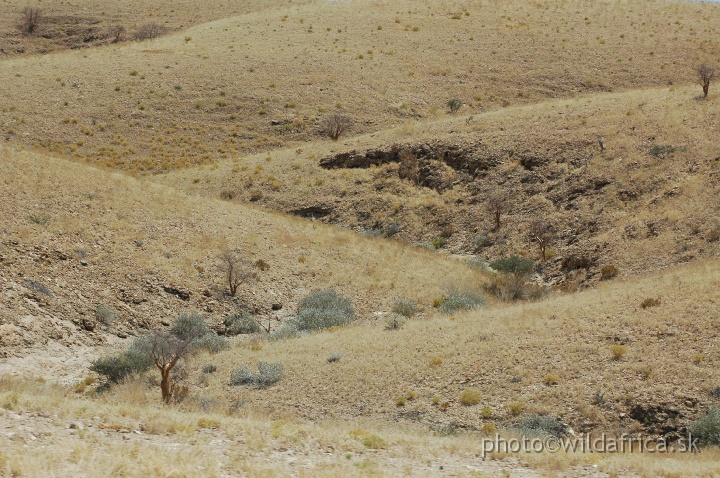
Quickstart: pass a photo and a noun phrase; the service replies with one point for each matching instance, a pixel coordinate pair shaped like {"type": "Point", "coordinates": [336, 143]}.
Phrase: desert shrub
{"type": "Point", "coordinates": [608, 272]}
{"type": "Point", "coordinates": [288, 330]}
{"type": "Point", "coordinates": [373, 442]}
{"type": "Point", "coordinates": [618, 351]}
{"type": "Point", "coordinates": [551, 379]}
{"type": "Point", "coordinates": [395, 322]}
{"type": "Point", "coordinates": [438, 243]}
{"type": "Point", "coordinates": [242, 323]}
{"type": "Point", "coordinates": [334, 126]}
{"type": "Point", "coordinates": [30, 19]}
{"type": "Point", "coordinates": [475, 263]}
{"type": "Point", "coordinates": [209, 368]}
{"type": "Point", "coordinates": [511, 287]}
{"type": "Point", "coordinates": [461, 301]}
{"type": "Point", "coordinates": [542, 425]}
{"type": "Point", "coordinates": [482, 241]}
{"type": "Point", "coordinates": [242, 376]}
{"type": "Point", "coordinates": [149, 31]}
{"type": "Point", "coordinates": [707, 428]}
{"type": "Point", "coordinates": [650, 302]}
{"type": "Point", "coordinates": [116, 32]}
{"type": "Point", "coordinates": [190, 326]}
{"type": "Point", "coordinates": [211, 342]}
{"type": "Point", "coordinates": [454, 104]}
{"type": "Point", "coordinates": [131, 361]}
{"type": "Point", "coordinates": [405, 307]}
{"type": "Point", "coordinates": [470, 396]}
{"type": "Point", "coordinates": [324, 309]}
{"type": "Point", "coordinates": [335, 357]}
{"type": "Point", "coordinates": [269, 373]}
{"type": "Point", "coordinates": [516, 408]}
{"type": "Point", "coordinates": [106, 315]}
{"type": "Point", "coordinates": [513, 265]}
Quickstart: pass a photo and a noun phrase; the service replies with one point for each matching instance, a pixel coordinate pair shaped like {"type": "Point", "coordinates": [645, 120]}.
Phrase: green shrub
{"type": "Point", "coordinates": [242, 323]}
{"type": "Point", "coordinates": [106, 315]}
{"type": "Point", "coordinates": [190, 326]}
{"type": "Point", "coordinates": [461, 301]}
{"type": "Point", "coordinates": [513, 265]}
{"type": "Point", "coordinates": [269, 373]}
{"type": "Point", "coordinates": [541, 425]}
{"type": "Point", "coordinates": [405, 307]}
{"type": "Point", "coordinates": [117, 367]}
{"type": "Point", "coordinates": [707, 428]}
{"type": "Point", "coordinates": [454, 105]}
{"type": "Point", "coordinates": [324, 309]}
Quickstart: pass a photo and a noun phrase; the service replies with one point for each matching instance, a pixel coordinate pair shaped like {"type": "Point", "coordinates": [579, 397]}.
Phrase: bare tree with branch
{"type": "Point", "coordinates": [30, 19]}
{"type": "Point", "coordinates": [541, 232]}
{"type": "Point", "coordinates": [238, 271]}
{"type": "Point", "coordinates": [497, 205]}
{"type": "Point", "coordinates": [705, 75]}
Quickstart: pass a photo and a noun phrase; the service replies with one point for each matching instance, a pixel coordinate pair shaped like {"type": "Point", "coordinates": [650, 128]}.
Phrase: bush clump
{"type": "Point", "coordinates": [242, 323]}
{"type": "Point", "coordinates": [324, 309]}
{"type": "Point", "coordinates": [513, 265]}
{"type": "Point", "coordinates": [242, 376]}
{"type": "Point", "coordinates": [190, 325]}
{"type": "Point", "coordinates": [211, 342]}
{"type": "Point", "coordinates": [405, 307]}
{"type": "Point", "coordinates": [707, 428]}
{"type": "Point", "coordinates": [131, 361]}
{"type": "Point", "coordinates": [461, 301]}
{"type": "Point", "coordinates": [106, 315]}
{"type": "Point", "coordinates": [269, 373]}
{"type": "Point", "coordinates": [541, 425]}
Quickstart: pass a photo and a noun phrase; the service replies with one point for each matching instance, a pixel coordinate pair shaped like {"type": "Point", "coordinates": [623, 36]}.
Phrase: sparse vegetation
{"type": "Point", "coordinates": [608, 272]}
{"type": "Point", "coordinates": [269, 373]}
{"type": "Point", "coordinates": [106, 315]}
{"type": "Point", "coordinates": [618, 351]}
{"type": "Point", "coordinates": [454, 105]}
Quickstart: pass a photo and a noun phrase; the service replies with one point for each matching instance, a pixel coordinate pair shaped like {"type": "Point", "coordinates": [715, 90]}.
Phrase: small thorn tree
{"type": "Point", "coordinates": [705, 75]}
{"type": "Point", "coordinates": [541, 232]}
{"type": "Point", "coordinates": [497, 205]}
{"type": "Point", "coordinates": [237, 270]}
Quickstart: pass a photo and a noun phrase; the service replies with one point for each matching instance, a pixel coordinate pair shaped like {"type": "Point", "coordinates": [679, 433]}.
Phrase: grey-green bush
{"type": "Point", "coordinates": [541, 425]}
{"type": "Point", "coordinates": [106, 315]}
{"type": "Point", "coordinates": [211, 342]}
{"type": "Point", "coordinates": [288, 330]}
{"type": "Point", "coordinates": [190, 326]}
{"type": "Point", "coordinates": [461, 301]}
{"type": "Point", "coordinates": [324, 309]}
{"type": "Point", "coordinates": [269, 373]}
{"type": "Point", "coordinates": [405, 307]}
{"type": "Point", "coordinates": [707, 428]}
{"type": "Point", "coordinates": [242, 376]}
{"type": "Point", "coordinates": [242, 323]}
